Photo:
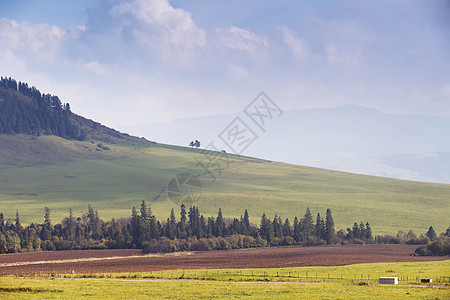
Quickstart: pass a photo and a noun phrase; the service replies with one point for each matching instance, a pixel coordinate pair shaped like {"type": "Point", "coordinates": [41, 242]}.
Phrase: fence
{"type": "Point", "coordinates": [244, 275]}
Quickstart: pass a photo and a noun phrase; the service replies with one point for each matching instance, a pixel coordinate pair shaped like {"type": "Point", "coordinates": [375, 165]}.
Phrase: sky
{"type": "Point", "coordinates": [127, 62]}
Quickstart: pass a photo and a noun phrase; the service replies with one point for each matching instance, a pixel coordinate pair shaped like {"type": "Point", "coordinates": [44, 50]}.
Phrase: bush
{"type": "Point", "coordinates": [287, 241]}
{"type": "Point", "coordinates": [422, 251]}
{"type": "Point", "coordinates": [64, 245]}
{"type": "Point", "coordinates": [48, 245]}
{"type": "Point", "coordinates": [160, 246]}
{"type": "Point", "coordinates": [201, 245]}
{"type": "Point", "coordinates": [260, 242]}
{"type": "Point", "coordinates": [439, 247]}
{"type": "Point", "coordinates": [248, 242]}
{"type": "Point", "coordinates": [183, 246]}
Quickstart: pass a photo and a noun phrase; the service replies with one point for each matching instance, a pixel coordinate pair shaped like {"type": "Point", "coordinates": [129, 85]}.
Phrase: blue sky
{"type": "Point", "coordinates": [125, 62]}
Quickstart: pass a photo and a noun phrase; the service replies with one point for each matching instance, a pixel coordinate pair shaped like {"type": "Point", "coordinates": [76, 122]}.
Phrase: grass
{"type": "Point", "coordinates": [64, 174]}
{"type": "Point", "coordinates": [230, 284]}
{"type": "Point", "coordinates": [409, 273]}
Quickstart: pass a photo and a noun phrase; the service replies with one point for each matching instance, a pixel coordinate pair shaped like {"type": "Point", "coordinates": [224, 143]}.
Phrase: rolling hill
{"type": "Point", "coordinates": [349, 138]}
{"type": "Point", "coordinates": [114, 172]}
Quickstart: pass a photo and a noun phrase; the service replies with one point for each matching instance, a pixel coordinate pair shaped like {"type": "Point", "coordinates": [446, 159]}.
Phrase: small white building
{"type": "Point", "coordinates": [388, 280]}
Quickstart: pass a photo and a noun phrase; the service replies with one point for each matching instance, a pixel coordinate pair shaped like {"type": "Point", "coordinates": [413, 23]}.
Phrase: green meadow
{"type": "Point", "coordinates": [60, 174]}
{"type": "Point", "coordinates": [235, 284]}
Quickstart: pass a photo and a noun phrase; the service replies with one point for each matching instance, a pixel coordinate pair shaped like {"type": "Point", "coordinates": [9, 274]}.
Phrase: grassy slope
{"type": "Point", "coordinates": [60, 174]}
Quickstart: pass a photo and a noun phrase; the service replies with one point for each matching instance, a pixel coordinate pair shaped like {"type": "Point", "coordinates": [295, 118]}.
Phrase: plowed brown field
{"type": "Point", "coordinates": [96, 261]}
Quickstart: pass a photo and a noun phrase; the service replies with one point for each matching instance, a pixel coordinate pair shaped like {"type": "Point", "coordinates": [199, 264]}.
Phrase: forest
{"type": "Point", "coordinates": [24, 109]}
{"type": "Point", "coordinates": [192, 231]}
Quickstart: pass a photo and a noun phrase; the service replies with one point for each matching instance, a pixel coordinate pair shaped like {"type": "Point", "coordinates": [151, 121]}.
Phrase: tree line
{"type": "Point", "coordinates": [25, 109]}
{"type": "Point", "coordinates": [189, 231]}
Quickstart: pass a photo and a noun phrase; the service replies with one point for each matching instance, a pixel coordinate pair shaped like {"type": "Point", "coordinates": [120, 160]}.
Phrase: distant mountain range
{"type": "Point", "coordinates": [349, 138]}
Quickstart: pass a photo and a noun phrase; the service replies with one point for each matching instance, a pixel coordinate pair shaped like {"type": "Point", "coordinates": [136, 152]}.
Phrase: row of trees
{"type": "Point", "coordinates": [24, 109]}
{"type": "Point", "coordinates": [190, 231]}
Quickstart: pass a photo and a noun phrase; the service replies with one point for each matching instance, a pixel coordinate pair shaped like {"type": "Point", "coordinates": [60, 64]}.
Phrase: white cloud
{"type": "Point", "coordinates": [296, 44]}
{"type": "Point", "coordinates": [41, 41]}
{"type": "Point", "coordinates": [241, 39]}
{"type": "Point", "coordinates": [94, 66]}
{"type": "Point", "coordinates": [336, 55]}
{"type": "Point", "coordinates": [160, 20]}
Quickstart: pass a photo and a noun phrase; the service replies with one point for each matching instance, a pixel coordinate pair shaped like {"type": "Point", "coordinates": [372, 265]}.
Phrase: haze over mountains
{"type": "Point", "coordinates": [347, 138]}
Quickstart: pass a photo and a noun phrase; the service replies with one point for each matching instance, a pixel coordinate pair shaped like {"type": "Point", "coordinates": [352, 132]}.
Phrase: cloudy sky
{"type": "Point", "coordinates": [125, 62]}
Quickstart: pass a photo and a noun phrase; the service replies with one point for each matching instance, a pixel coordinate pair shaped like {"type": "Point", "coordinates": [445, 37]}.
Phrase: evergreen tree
{"type": "Point", "coordinates": [277, 227]}
{"type": "Point", "coordinates": [307, 225]}
{"type": "Point", "coordinates": [329, 227]}
{"type": "Point", "coordinates": [70, 226]}
{"type": "Point", "coordinates": [220, 224]}
{"type": "Point", "coordinates": [447, 232]}
{"type": "Point", "coordinates": [266, 229]}
{"type": "Point", "coordinates": [182, 234]}
{"type": "Point", "coordinates": [46, 228]}
{"type": "Point", "coordinates": [2, 222]}
{"type": "Point", "coordinates": [319, 228]}
{"type": "Point", "coordinates": [135, 228]}
{"type": "Point", "coordinates": [210, 232]}
{"type": "Point", "coordinates": [173, 219]}
{"type": "Point", "coordinates": [287, 230]}
{"type": "Point", "coordinates": [297, 230]}
{"type": "Point", "coordinates": [169, 230]}
{"type": "Point", "coordinates": [17, 226]}
{"type": "Point", "coordinates": [368, 231]}
{"type": "Point", "coordinates": [356, 234]}
{"type": "Point", "coordinates": [246, 223]}
{"type": "Point", "coordinates": [431, 234]}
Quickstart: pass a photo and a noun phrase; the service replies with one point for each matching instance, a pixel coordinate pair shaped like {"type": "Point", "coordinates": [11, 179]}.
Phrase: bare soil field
{"type": "Point", "coordinates": [101, 261]}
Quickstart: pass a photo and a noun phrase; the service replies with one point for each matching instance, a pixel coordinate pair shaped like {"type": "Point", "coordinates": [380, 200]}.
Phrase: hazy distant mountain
{"type": "Point", "coordinates": [348, 138]}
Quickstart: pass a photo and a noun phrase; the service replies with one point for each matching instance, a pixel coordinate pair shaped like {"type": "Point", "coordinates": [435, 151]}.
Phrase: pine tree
{"type": "Point", "coordinates": [362, 230]}
{"type": "Point", "coordinates": [135, 228]}
{"type": "Point", "coordinates": [447, 232]}
{"type": "Point", "coordinates": [368, 232]}
{"type": "Point", "coordinates": [46, 228]}
{"type": "Point", "coordinates": [220, 224]}
{"type": "Point", "coordinates": [210, 232]}
{"type": "Point", "coordinates": [319, 228]}
{"type": "Point", "coordinates": [70, 226]}
{"type": "Point", "coordinates": [173, 219]}
{"type": "Point", "coordinates": [329, 227]}
{"type": "Point", "coordinates": [431, 234]}
{"type": "Point", "coordinates": [307, 225]}
{"type": "Point", "coordinates": [356, 234]}
{"type": "Point", "coordinates": [277, 227]}
{"type": "Point", "coordinates": [297, 230]}
{"type": "Point", "coordinates": [169, 230]}
{"type": "Point", "coordinates": [182, 234]}
{"type": "Point", "coordinates": [266, 229]}
{"type": "Point", "coordinates": [18, 226]}
{"type": "Point", "coordinates": [246, 223]}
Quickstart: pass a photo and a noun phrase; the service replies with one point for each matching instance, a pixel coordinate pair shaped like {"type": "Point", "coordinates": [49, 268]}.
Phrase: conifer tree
{"type": "Point", "coordinates": [431, 234]}
{"type": "Point", "coordinates": [220, 224]}
{"type": "Point", "coordinates": [329, 227]}
{"type": "Point", "coordinates": [307, 225]}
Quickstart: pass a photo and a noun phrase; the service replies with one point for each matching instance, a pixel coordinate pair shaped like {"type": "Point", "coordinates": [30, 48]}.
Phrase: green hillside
{"type": "Point", "coordinates": [51, 157]}
{"type": "Point", "coordinates": [50, 171]}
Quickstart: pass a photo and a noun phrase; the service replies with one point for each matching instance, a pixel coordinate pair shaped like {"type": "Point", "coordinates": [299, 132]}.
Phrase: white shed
{"type": "Point", "coordinates": [388, 280]}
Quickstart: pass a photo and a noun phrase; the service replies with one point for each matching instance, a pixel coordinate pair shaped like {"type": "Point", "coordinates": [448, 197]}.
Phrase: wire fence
{"type": "Point", "coordinates": [245, 275]}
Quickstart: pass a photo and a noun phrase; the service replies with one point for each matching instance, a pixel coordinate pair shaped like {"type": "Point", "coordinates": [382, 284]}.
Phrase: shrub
{"type": "Point", "coordinates": [422, 251]}
{"type": "Point", "coordinates": [201, 245]}
{"type": "Point", "coordinates": [260, 242]}
{"type": "Point", "coordinates": [160, 246]}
